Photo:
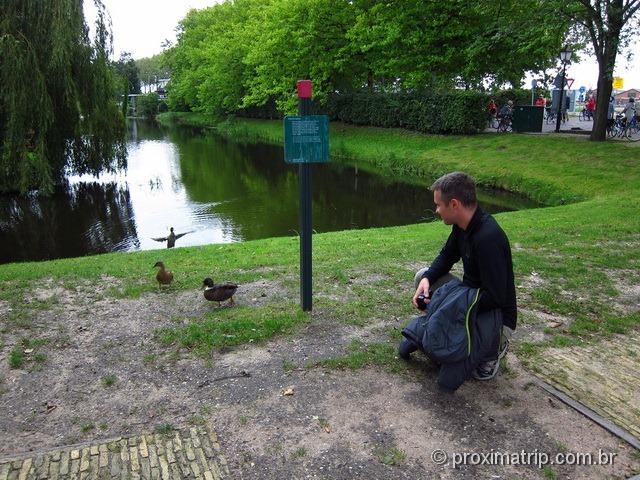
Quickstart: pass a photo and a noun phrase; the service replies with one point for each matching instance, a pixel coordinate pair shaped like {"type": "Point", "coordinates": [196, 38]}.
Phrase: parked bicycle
{"type": "Point", "coordinates": [621, 128]}
{"type": "Point", "coordinates": [504, 124]}
{"type": "Point", "coordinates": [585, 115]}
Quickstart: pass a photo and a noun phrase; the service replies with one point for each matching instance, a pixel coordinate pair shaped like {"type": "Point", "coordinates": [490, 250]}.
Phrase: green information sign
{"type": "Point", "coordinates": [306, 139]}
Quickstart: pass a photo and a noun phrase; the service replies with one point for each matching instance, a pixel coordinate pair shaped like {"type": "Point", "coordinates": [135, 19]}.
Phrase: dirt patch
{"type": "Point", "coordinates": [627, 282]}
{"type": "Point", "coordinates": [111, 378]}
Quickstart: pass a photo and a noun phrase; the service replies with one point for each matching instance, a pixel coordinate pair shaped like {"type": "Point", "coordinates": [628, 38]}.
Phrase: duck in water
{"type": "Point", "coordinates": [171, 238]}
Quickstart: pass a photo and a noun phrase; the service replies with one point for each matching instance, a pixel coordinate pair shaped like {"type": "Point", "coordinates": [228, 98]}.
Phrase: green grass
{"type": "Point", "coordinates": [16, 357]}
{"type": "Point", "coordinates": [389, 456]}
{"type": "Point", "coordinates": [164, 429]}
{"type": "Point", "coordinates": [109, 380]}
{"type": "Point", "coordinates": [577, 248]}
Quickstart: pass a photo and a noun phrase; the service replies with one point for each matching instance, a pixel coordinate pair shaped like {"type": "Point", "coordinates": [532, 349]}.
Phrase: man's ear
{"type": "Point", "coordinates": [454, 203]}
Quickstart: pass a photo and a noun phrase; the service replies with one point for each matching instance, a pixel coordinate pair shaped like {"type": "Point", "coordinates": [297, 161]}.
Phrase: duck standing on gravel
{"type": "Point", "coordinates": [219, 292]}
{"type": "Point", "coordinates": [164, 276]}
{"type": "Point", "coordinates": [171, 238]}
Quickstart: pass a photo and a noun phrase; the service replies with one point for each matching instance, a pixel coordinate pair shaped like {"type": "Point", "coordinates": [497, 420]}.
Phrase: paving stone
{"type": "Point", "coordinates": [43, 469]}
{"type": "Point", "coordinates": [24, 470]}
{"type": "Point", "coordinates": [142, 447]}
{"type": "Point", "coordinates": [188, 454]}
{"type": "Point", "coordinates": [164, 468]}
{"type": "Point", "coordinates": [54, 470]}
{"type": "Point", "coordinates": [188, 450]}
{"type": "Point", "coordinates": [177, 443]}
{"type": "Point", "coordinates": [169, 452]}
{"type": "Point", "coordinates": [153, 456]}
{"type": "Point", "coordinates": [104, 456]}
{"type": "Point", "coordinates": [84, 460]}
{"type": "Point", "coordinates": [64, 463]}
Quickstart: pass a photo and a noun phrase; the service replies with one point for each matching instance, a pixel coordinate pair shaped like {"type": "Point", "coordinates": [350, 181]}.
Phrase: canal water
{"type": "Point", "coordinates": [217, 190]}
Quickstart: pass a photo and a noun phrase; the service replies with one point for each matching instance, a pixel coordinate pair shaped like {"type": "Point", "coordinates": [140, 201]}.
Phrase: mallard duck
{"type": "Point", "coordinates": [171, 238]}
{"type": "Point", "coordinates": [164, 277]}
{"type": "Point", "coordinates": [220, 292]}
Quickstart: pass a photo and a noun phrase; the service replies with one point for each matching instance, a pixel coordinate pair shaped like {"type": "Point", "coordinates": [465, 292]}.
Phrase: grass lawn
{"type": "Point", "coordinates": [572, 259]}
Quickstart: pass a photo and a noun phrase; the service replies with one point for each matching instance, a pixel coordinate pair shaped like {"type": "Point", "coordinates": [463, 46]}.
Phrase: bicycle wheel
{"type": "Point", "coordinates": [631, 134]}
{"type": "Point", "coordinates": [551, 118]}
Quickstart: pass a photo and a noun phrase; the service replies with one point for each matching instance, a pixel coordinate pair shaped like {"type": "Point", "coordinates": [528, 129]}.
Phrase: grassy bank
{"type": "Point", "coordinates": [573, 262]}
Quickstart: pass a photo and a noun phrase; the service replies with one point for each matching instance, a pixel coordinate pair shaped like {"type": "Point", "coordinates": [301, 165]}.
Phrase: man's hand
{"type": "Point", "coordinates": [423, 289]}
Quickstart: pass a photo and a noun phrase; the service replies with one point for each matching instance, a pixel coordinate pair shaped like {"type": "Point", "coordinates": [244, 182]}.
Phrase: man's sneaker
{"type": "Point", "coordinates": [486, 370]}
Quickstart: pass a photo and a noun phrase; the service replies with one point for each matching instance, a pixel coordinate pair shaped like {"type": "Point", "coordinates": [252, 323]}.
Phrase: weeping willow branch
{"type": "Point", "coordinates": [57, 106]}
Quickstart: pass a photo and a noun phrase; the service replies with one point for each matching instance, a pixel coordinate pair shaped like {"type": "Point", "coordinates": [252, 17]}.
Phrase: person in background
{"type": "Point", "coordinates": [591, 105]}
{"type": "Point", "coordinates": [611, 112]}
{"type": "Point", "coordinates": [629, 110]}
{"type": "Point", "coordinates": [492, 108]}
{"type": "Point", "coordinates": [540, 101]}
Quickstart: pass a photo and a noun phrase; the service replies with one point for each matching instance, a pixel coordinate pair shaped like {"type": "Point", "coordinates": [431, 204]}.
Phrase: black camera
{"type": "Point", "coordinates": [421, 301]}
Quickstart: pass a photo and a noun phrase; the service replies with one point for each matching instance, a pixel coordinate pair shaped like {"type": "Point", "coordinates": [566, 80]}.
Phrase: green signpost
{"type": "Point", "coordinates": [306, 139]}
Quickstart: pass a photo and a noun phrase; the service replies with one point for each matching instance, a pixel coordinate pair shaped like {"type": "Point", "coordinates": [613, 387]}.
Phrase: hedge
{"type": "Point", "coordinates": [457, 112]}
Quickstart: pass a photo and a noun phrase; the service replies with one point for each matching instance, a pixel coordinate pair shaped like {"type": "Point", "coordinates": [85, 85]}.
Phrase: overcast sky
{"type": "Point", "coordinates": [140, 27]}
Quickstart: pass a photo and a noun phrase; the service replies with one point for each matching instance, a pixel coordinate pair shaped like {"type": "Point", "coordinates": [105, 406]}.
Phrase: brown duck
{"type": "Point", "coordinates": [219, 292]}
{"type": "Point", "coordinates": [164, 276]}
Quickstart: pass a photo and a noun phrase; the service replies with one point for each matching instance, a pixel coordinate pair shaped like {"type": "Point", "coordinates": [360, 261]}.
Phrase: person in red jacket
{"type": "Point", "coordinates": [540, 101]}
{"type": "Point", "coordinates": [591, 104]}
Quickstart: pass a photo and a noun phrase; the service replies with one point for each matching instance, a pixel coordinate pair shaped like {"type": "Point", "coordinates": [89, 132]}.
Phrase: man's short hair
{"type": "Point", "coordinates": [457, 185]}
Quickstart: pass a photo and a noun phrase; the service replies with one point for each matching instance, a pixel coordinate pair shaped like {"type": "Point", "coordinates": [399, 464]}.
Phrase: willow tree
{"type": "Point", "coordinates": [57, 109]}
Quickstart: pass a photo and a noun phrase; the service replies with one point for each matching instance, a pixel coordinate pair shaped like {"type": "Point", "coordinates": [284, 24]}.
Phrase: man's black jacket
{"type": "Point", "coordinates": [486, 257]}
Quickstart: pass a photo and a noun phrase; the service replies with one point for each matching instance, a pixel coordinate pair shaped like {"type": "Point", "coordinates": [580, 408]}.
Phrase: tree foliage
{"type": "Point", "coordinates": [609, 26]}
{"type": "Point", "coordinates": [245, 53]}
{"type": "Point", "coordinates": [152, 68]}
{"type": "Point", "coordinates": [127, 68]}
{"type": "Point", "coordinates": [57, 111]}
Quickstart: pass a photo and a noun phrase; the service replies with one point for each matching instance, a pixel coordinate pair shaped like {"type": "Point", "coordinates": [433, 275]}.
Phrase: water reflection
{"type": "Point", "coordinates": [80, 219]}
{"type": "Point", "coordinates": [217, 190]}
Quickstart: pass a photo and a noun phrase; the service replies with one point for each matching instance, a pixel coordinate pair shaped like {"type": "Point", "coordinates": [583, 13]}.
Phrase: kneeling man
{"type": "Point", "coordinates": [478, 240]}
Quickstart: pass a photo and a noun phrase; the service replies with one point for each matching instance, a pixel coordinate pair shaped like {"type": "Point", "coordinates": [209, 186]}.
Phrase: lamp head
{"type": "Point", "coordinates": [565, 55]}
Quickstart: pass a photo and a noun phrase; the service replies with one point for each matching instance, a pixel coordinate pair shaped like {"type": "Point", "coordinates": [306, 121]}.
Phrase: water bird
{"type": "Point", "coordinates": [219, 292]}
{"type": "Point", "coordinates": [164, 276]}
{"type": "Point", "coordinates": [171, 238]}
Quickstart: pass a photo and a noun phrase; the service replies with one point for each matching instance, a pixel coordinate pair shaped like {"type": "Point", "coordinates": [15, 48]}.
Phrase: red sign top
{"type": "Point", "coordinates": [304, 88]}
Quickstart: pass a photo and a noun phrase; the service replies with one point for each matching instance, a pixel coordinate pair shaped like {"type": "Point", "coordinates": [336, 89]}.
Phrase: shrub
{"type": "Point", "coordinates": [147, 105]}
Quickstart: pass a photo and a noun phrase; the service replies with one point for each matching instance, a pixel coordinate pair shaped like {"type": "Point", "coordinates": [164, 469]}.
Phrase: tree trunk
{"type": "Point", "coordinates": [605, 87]}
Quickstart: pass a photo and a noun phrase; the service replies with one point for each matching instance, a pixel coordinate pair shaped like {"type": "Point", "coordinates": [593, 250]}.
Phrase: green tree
{"type": "Point", "coordinates": [152, 68]}
{"type": "Point", "coordinates": [147, 105]}
{"type": "Point", "coordinates": [609, 25]}
{"type": "Point", "coordinates": [57, 111]}
{"type": "Point", "coordinates": [128, 69]}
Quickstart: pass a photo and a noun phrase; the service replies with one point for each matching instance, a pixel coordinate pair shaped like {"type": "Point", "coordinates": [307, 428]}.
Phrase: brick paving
{"type": "Point", "coordinates": [190, 453]}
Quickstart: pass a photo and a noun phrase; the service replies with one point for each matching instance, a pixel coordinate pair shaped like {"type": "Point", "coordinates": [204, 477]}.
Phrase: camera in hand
{"type": "Point", "coordinates": [421, 301]}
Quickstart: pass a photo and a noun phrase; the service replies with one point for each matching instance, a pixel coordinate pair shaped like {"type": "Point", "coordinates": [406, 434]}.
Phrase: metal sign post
{"type": "Point", "coordinates": [306, 142]}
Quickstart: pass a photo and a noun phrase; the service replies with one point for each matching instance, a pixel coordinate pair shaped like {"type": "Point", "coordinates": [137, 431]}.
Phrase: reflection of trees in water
{"type": "Point", "coordinates": [82, 219]}
{"type": "Point", "coordinates": [256, 193]}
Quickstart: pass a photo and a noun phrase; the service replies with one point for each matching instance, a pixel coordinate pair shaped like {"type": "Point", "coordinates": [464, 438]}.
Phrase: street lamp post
{"type": "Point", "coordinates": [565, 57]}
